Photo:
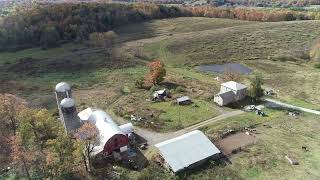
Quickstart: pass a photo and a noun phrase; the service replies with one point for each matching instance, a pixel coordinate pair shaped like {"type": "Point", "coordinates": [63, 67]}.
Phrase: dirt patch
{"type": "Point", "coordinates": [233, 142]}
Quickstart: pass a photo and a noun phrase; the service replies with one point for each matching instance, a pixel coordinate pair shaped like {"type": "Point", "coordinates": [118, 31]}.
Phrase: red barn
{"type": "Point", "coordinates": [112, 136]}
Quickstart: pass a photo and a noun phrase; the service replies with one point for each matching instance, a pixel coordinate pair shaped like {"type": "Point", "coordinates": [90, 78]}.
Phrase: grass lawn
{"type": "Point", "coordinates": [240, 122]}
{"type": "Point", "coordinates": [176, 116]}
{"type": "Point", "coordinates": [302, 103]}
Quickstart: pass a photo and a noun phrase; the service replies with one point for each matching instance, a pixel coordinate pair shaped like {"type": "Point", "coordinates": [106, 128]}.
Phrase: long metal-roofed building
{"type": "Point", "coordinates": [112, 137]}
{"type": "Point", "coordinates": [187, 151]}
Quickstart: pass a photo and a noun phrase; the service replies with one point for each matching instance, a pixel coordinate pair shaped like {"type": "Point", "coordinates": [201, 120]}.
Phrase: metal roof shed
{"type": "Point", "coordinates": [183, 151]}
{"type": "Point", "coordinates": [183, 100]}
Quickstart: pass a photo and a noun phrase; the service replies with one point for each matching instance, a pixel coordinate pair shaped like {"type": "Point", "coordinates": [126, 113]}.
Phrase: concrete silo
{"type": "Point", "coordinates": [66, 107]}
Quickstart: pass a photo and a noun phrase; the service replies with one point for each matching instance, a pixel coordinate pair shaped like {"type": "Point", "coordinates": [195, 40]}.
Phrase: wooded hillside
{"type": "Point", "coordinates": [51, 25]}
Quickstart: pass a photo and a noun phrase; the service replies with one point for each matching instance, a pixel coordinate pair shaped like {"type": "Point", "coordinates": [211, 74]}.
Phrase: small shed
{"type": "Point", "coordinates": [160, 94]}
{"type": "Point", "coordinates": [187, 151]}
{"type": "Point", "coordinates": [184, 100]}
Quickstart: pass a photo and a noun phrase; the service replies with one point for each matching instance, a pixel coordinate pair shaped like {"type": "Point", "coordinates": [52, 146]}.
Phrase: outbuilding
{"type": "Point", "coordinates": [160, 94]}
{"type": "Point", "coordinates": [187, 151]}
{"type": "Point", "coordinates": [184, 100]}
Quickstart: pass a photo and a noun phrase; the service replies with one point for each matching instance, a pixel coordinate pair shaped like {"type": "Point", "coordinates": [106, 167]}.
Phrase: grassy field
{"type": "Point", "coordinates": [184, 116]}
{"type": "Point", "coordinates": [264, 47]}
{"type": "Point", "coordinates": [276, 51]}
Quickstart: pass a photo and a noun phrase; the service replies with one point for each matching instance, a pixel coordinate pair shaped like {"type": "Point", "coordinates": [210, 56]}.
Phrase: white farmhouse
{"type": "Point", "coordinates": [230, 92]}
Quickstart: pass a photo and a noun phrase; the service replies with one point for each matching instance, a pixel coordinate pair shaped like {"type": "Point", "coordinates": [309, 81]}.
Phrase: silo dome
{"type": "Point", "coordinates": [62, 87]}
{"type": "Point", "coordinates": [67, 103]}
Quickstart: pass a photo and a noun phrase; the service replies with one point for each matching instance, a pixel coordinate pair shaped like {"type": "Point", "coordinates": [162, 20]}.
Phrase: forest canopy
{"type": "Point", "coordinates": [50, 25]}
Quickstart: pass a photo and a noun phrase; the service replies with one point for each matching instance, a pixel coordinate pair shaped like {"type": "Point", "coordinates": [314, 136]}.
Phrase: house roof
{"type": "Point", "coordinates": [62, 87]}
{"type": "Point", "coordinates": [183, 98]}
{"type": "Point", "coordinates": [234, 85]}
{"type": "Point", "coordinates": [228, 96]}
{"type": "Point", "coordinates": [185, 150]}
{"type": "Point", "coordinates": [104, 123]}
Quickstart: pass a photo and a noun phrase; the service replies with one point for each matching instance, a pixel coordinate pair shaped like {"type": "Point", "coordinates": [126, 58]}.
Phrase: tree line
{"type": "Point", "coordinates": [266, 3]}
{"type": "Point", "coordinates": [53, 24]}
{"type": "Point", "coordinates": [50, 25]}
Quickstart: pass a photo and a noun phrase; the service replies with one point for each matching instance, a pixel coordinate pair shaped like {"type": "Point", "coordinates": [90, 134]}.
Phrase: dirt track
{"type": "Point", "coordinates": [155, 137]}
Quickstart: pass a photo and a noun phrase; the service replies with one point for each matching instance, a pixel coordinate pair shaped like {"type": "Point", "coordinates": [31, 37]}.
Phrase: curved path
{"type": "Point", "coordinates": [155, 137]}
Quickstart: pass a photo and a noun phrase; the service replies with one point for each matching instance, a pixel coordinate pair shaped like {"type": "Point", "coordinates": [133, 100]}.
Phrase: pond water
{"type": "Point", "coordinates": [234, 67]}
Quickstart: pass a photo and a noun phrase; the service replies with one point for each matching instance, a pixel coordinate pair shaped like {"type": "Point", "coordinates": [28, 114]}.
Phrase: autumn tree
{"type": "Point", "coordinates": [256, 91]}
{"type": "Point", "coordinates": [42, 146]}
{"type": "Point", "coordinates": [88, 138]}
{"type": "Point", "coordinates": [21, 157]}
{"type": "Point", "coordinates": [156, 74]}
{"type": "Point", "coordinates": [104, 40]}
{"type": "Point", "coordinates": [36, 127]}
{"type": "Point", "coordinates": [61, 155]}
{"type": "Point", "coordinates": [10, 106]}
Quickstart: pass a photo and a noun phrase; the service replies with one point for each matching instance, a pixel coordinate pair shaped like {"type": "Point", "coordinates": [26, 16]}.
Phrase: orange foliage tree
{"type": "Point", "coordinates": [156, 74]}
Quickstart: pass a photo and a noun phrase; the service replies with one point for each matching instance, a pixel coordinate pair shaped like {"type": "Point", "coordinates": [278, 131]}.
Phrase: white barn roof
{"type": "Point", "coordinates": [185, 150]}
{"type": "Point", "coordinates": [234, 85]}
{"type": "Point", "coordinates": [85, 114]}
{"type": "Point", "coordinates": [104, 123]}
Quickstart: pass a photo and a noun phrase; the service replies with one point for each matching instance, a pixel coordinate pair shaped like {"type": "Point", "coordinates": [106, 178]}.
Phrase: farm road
{"type": "Point", "coordinates": [155, 137]}
{"type": "Point", "coordinates": [292, 106]}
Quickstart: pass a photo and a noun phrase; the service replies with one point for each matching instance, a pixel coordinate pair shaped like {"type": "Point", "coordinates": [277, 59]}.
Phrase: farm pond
{"type": "Point", "coordinates": [234, 67]}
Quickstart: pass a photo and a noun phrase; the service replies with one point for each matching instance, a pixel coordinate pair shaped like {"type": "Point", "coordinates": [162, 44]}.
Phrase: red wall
{"type": "Point", "coordinates": [115, 142]}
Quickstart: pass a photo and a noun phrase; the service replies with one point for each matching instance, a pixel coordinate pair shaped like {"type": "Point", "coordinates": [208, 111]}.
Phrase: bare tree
{"type": "Point", "coordinates": [230, 75]}
{"type": "Point", "coordinates": [88, 138]}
